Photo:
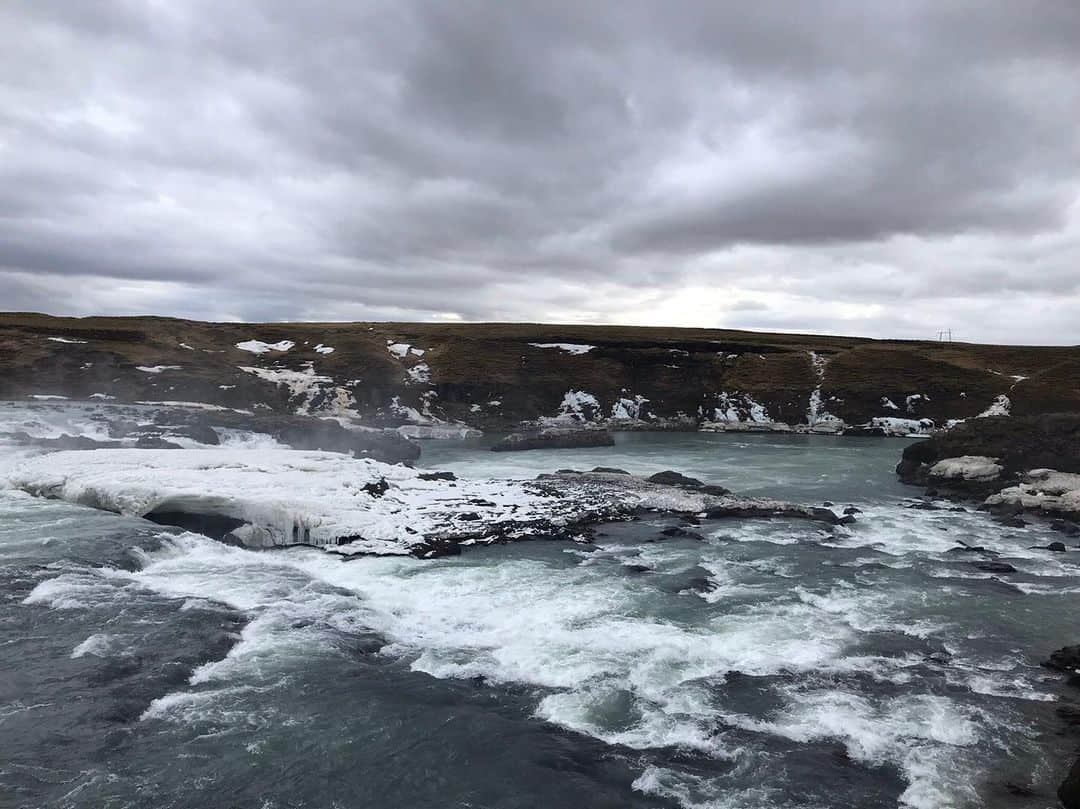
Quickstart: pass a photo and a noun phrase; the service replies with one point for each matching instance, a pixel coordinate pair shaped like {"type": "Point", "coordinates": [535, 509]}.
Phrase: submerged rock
{"type": "Point", "coordinates": [555, 439]}
{"type": "Point", "coordinates": [1065, 659]}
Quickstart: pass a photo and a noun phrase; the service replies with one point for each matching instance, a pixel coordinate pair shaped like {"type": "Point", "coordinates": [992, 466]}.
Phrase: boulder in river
{"type": "Point", "coordinates": [1066, 659]}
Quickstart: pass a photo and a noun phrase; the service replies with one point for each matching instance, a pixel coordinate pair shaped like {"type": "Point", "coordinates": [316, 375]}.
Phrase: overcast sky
{"type": "Point", "coordinates": [886, 168]}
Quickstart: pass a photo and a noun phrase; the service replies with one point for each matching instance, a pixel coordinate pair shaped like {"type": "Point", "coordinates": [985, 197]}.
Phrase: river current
{"type": "Point", "coordinates": [743, 664]}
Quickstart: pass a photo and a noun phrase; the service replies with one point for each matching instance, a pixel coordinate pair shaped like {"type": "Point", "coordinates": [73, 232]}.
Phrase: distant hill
{"type": "Point", "coordinates": [493, 376]}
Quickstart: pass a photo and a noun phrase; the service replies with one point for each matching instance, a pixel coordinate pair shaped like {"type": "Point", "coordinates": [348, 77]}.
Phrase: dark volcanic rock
{"type": "Point", "coordinates": [671, 478]}
{"type": "Point", "coordinates": [681, 532]}
{"type": "Point", "coordinates": [554, 439]}
{"type": "Point", "coordinates": [437, 476]}
{"type": "Point", "coordinates": [1066, 659]}
{"type": "Point", "coordinates": [610, 470]}
{"type": "Point", "coordinates": [63, 442]}
{"type": "Point", "coordinates": [995, 567]}
{"type": "Point", "coordinates": [376, 489]}
{"type": "Point", "coordinates": [1056, 547]}
{"type": "Point", "coordinates": [155, 442]}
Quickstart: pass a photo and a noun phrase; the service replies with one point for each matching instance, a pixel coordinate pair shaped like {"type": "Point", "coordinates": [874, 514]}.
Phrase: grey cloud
{"type": "Point", "coordinates": [412, 159]}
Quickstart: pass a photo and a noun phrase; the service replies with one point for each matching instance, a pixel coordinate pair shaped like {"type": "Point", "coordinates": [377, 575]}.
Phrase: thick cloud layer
{"type": "Point", "coordinates": [880, 169]}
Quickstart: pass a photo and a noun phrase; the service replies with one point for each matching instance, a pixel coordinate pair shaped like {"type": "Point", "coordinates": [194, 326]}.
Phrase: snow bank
{"type": "Point", "coordinates": [903, 427]}
{"type": "Point", "coordinates": [569, 348]}
{"type": "Point", "coordinates": [310, 392]}
{"type": "Point", "coordinates": [259, 347]}
{"type": "Point", "coordinates": [626, 409]}
{"type": "Point", "coordinates": [321, 349]}
{"type": "Point", "coordinates": [156, 369]}
{"type": "Point", "coordinates": [66, 340]}
{"type": "Point", "coordinates": [577, 407]}
{"type": "Point", "coordinates": [419, 374]}
{"type": "Point", "coordinates": [425, 432]}
{"type": "Point", "coordinates": [967, 467]}
{"type": "Point", "coordinates": [1045, 490]}
{"type": "Point", "coordinates": [1001, 406]}
{"type": "Point", "coordinates": [402, 350]}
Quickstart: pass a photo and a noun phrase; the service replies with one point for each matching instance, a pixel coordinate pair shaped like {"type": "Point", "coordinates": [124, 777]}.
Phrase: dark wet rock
{"type": "Point", "coordinates": [923, 505]}
{"type": "Point", "coordinates": [995, 567]}
{"type": "Point", "coordinates": [155, 442]}
{"type": "Point", "coordinates": [1069, 791]}
{"type": "Point", "coordinates": [1066, 659]}
{"type": "Point", "coordinates": [1069, 529]}
{"type": "Point", "coordinates": [376, 488]}
{"type": "Point", "coordinates": [635, 568]}
{"type": "Point", "coordinates": [1055, 547]}
{"type": "Point", "coordinates": [554, 439]}
{"type": "Point", "coordinates": [203, 433]}
{"type": "Point", "coordinates": [62, 442]}
{"type": "Point", "coordinates": [1009, 520]}
{"type": "Point", "coordinates": [610, 470]}
{"type": "Point", "coordinates": [671, 478]}
{"type": "Point", "coordinates": [847, 519]}
{"type": "Point", "coordinates": [437, 476]}
{"type": "Point", "coordinates": [966, 548]}
{"type": "Point", "coordinates": [682, 533]}
{"type": "Point", "coordinates": [850, 510]}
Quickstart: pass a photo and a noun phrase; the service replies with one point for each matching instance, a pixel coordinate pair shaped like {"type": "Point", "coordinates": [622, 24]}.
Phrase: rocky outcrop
{"type": "Point", "coordinates": [554, 439]}
{"type": "Point", "coordinates": [1012, 465]}
{"type": "Point", "coordinates": [1066, 660]}
{"type": "Point", "coordinates": [1016, 444]}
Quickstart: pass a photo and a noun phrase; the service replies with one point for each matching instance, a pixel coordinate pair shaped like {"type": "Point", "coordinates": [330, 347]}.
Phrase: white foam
{"type": "Point", "coordinates": [99, 644]}
{"type": "Point", "coordinates": [923, 735]}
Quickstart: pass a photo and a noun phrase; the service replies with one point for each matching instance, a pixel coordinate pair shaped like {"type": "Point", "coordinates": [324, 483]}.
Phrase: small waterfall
{"type": "Point", "coordinates": [817, 417]}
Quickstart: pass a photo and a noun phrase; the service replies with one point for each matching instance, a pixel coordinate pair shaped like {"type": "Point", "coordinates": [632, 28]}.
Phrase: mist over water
{"type": "Point", "coordinates": [767, 663]}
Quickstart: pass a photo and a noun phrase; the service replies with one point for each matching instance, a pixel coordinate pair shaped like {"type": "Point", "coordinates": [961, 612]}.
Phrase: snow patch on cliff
{"type": "Point", "coordinates": [569, 348]}
{"type": "Point", "coordinates": [1001, 406]}
{"type": "Point", "coordinates": [259, 347]}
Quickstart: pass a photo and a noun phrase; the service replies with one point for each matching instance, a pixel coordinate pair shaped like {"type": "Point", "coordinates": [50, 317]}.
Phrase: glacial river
{"type": "Point", "coordinates": [762, 663]}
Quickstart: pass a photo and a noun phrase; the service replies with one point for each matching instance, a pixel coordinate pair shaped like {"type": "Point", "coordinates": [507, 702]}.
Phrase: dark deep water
{"type": "Point", "coordinates": [773, 664]}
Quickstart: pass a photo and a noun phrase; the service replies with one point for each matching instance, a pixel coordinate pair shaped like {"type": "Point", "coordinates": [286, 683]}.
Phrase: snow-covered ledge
{"type": "Point", "coordinates": [268, 498]}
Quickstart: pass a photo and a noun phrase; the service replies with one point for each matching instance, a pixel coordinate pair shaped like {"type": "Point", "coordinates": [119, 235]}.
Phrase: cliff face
{"type": "Point", "coordinates": [493, 376]}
